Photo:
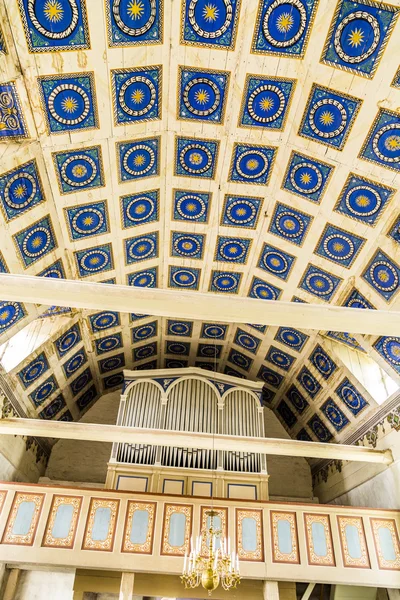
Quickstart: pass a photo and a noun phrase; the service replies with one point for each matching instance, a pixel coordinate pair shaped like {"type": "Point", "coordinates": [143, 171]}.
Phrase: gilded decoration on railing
{"type": "Point", "coordinates": [220, 523]}
{"type": "Point", "coordinates": [319, 540]}
{"type": "Point", "coordinates": [139, 527]}
{"type": "Point", "coordinates": [100, 525]}
{"type": "Point", "coordinates": [387, 543]}
{"type": "Point", "coordinates": [353, 542]}
{"type": "Point", "coordinates": [177, 527]}
{"type": "Point", "coordinates": [285, 542]}
{"type": "Point", "coordinates": [63, 519]}
{"type": "Point", "coordinates": [23, 519]}
{"type": "Point", "coordinates": [249, 534]}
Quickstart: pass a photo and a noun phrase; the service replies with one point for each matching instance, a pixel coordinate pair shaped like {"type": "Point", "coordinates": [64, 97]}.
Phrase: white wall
{"type": "Point", "coordinates": [73, 460]}
{"type": "Point", "coordinates": [289, 476]}
{"type": "Point", "coordinates": [45, 585]}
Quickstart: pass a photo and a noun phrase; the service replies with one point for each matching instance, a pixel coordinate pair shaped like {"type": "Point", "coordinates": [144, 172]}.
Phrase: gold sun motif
{"type": "Point", "coordinates": [225, 282]}
{"type": "Point", "coordinates": [140, 209]}
{"type": "Point", "coordinates": [241, 212]}
{"type": "Point", "coordinates": [137, 96]}
{"type": "Point", "coordinates": [392, 142]}
{"type": "Point", "coordinates": [356, 38]}
{"type": "Point", "coordinates": [383, 275]}
{"type": "Point", "coordinates": [94, 260]}
{"type": "Point", "coordinates": [142, 281]}
{"type": "Point", "coordinates": [275, 262]}
{"type": "Point", "coordinates": [88, 221]}
{"type": "Point", "coordinates": [319, 283]}
{"type": "Point", "coordinates": [191, 207]}
{"type": "Point", "coordinates": [338, 246]}
{"type": "Point", "coordinates": [362, 200]}
{"type": "Point", "coordinates": [135, 9]}
{"type": "Point", "coordinates": [141, 248]}
{"type": "Point", "coordinates": [187, 245]}
{"type": "Point", "coordinates": [53, 11]}
{"type": "Point", "coordinates": [69, 104]}
{"type": "Point", "coordinates": [139, 160]}
{"type": "Point", "coordinates": [289, 224]}
{"type": "Point", "coordinates": [195, 158]}
{"type": "Point", "coordinates": [396, 351]}
{"type": "Point", "coordinates": [252, 164]}
{"type": "Point", "coordinates": [284, 22]}
{"type": "Point", "coordinates": [36, 242]}
{"type": "Point", "coordinates": [4, 315]}
{"type": "Point", "coordinates": [305, 178]}
{"type": "Point", "coordinates": [79, 171]}
{"type": "Point", "coordinates": [202, 96]}
{"type": "Point", "coordinates": [184, 277]}
{"type": "Point", "coordinates": [233, 250]}
{"type": "Point", "coordinates": [326, 118]}
{"type": "Point", "coordinates": [267, 104]}
{"type": "Point", "coordinates": [210, 13]}
{"type": "Point", "coordinates": [20, 190]}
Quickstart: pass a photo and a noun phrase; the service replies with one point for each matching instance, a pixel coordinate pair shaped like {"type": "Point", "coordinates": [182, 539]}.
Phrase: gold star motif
{"type": "Point", "coordinates": [4, 315]}
{"type": "Point", "coordinates": [233, 250]}
{"type": "Point", "coordinates": [240, 212]}
{"type": "Point", "coordinates": [53, 11]}
{"type": "Point", "coordinates": [289, 224]}
{"type": "Point", "coordinates": [104, 321]}
{"type": "Point", "coordinates": [184, 277]}
{"type": "Point", "coordinates": [266, 104]}
{"type": "Point", "coordinates": [284, 22]}
{"type": "Point", "coordinates": [305, 178]}
{"type": "Point", "coordinates": [252, 164]}
{"type": "Point", "coordinates": [210, 13]}
{"type": "Point", "coordinates": [263, 293]}
{"type": "Point", "coordinates": [383, 275]}
{"type": "Point", "coordinates": [20, 190]}
{"type": "Point", "coordinates": [338, 246]}
{"type": "Point", "coordinates": [94, 260]}
{"type": "Point", "coordinates": [139, 160]}
{"type": "Point", "coordinates": [356, 38]}
{"type": "Point", "coordinates": [191, 207]}
{"type": "Point", "coordinates": [88, 221]}
{"type": "Point", "coordinates": [195, 158]}
{"type": "Point", "coordinates": [275, 262]}
{"type": "Point", "coordinates": [202, 96]}
{"type": "Point", "coordinates": [225, 282]}
{"type": "Point", "coordinates": [141, 248]}
{"type": "Point", "coordinates": [69, 104]}
{"type": "Point", "coordinates": [393, 143]}
{"type": "Point", "coordinates": [140, 209]}
{"type": "Point", "coordinates": [326, 118]}
{"type": "Point", "coordinates": [319, 283]}
{"type": "Point", "coordinates": [137, 96]}
{"type": "Point", "coordinates": [362, 200]}
{"type": "Point", "coordinates": [36, 242]}
{"type": "Point", "coordinates": [79, 170]}
{"type": "Point", "coordinates": [135, 9]}
{"type": "Point", "coordinates": [142, 280]}
{"type": "Point", "coordinates": [187, 245]}
{"type": "Point", "coordinates": [396, 351]}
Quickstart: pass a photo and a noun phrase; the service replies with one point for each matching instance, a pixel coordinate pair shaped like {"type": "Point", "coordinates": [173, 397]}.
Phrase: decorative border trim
{"type": "Point", "coordinates": [146, 42]}
{"type": "Point", "coordinates": [169, 509]}
{"type": "Point", "coordinates": [182, 68]}
{"type": "Point", "coordinates": [313, 559]}
{"type": "Point", "coordinates": [68, 543]}
{"type": "Point", "coordinates": [205, 45]}
{"type": "Point", "coordinates": [147, 547]}
{"type": "Point", "coordinates": [277, 556]}
{"type": "Point", "coordinates": [307, 158]}
{"type": "Point", "coordinates": [28, 539]}
{"type": "Point", "coordinates": [108, 544]}
{"type": "Point", "coordinates": [348, 562]}
{"type": "Point", "coordinates": [386, 565]}
{"type": "Point", "coordinates": [257, 515]}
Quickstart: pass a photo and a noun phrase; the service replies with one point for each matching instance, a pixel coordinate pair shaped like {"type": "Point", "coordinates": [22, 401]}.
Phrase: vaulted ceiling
{"type": "Point", "coordinates": [222, 146]}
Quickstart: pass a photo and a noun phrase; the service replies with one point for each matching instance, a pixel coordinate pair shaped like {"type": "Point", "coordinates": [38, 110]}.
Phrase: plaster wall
{"type": "Point", "coordinates": [289, 476]}
{"type": "Point", "coordinates": [16, 462]}
{"type": "Point", "coordinates": [41, 585]}
{"type": "Point", "coordinates": [362, 484]}
{"type": "Point", "coordinates": [79, 461]}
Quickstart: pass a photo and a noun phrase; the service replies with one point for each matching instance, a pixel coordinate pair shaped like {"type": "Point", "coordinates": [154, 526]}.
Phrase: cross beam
{"type": "Point", "coordinates": [196, 305]}
{"type": "Point", "coordinates": [182, 439]}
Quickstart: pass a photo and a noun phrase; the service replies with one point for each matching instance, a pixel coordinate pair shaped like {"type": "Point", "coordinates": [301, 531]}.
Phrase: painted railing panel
{"type": "Point", "coordinates": [125, 531]}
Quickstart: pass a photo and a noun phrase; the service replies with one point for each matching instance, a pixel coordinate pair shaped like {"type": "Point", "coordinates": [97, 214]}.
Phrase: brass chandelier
{"type": "Point", "coordinates": [218, 567]}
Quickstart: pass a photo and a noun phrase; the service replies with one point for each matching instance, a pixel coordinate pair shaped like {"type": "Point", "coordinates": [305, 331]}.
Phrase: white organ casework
{"type": "Point", "coordinates": [191, 400]}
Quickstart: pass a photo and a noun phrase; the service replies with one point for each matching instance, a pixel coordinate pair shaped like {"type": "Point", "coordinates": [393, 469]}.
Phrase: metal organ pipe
{"type": "Point", "coordinates": [241, 418]}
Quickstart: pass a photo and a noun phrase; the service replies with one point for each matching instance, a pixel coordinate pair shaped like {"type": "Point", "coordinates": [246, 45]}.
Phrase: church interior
{"type": "Point", "coordinates": [199, 299]}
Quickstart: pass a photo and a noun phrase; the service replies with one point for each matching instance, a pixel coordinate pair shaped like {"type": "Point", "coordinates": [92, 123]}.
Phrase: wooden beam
{"type": "Point", "coordinates": [196, 305]}
{"type": "Point", "coordinates": [158, 437]}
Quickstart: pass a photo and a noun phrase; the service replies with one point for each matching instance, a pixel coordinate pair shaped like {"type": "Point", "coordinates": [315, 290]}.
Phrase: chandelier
{"type": "Point", "coordinates": [219, 566]}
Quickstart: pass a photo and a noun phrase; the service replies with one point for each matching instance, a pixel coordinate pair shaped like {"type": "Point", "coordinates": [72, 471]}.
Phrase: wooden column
{"type": "Point", "coordinates": [271, 590]}
{"type": "Point", "coordinates": [126, 589]}
{"type": "Point", "coordinates": [11, 585]}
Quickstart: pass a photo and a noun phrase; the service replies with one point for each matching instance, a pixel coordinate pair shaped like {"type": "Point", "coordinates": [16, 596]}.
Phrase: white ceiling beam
{"type": "Point", "coordinates": [182, 439]}
{"type": "Point", "coordinates": [196, 305]}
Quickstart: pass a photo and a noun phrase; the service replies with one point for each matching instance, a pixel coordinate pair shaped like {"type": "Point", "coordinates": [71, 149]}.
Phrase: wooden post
{"type": "Point", "coordinates": [271, 590]}
{"type": "Point", "coordinates": [11, 585]}
{"type": "Point", "coordinates": [126, 589]}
